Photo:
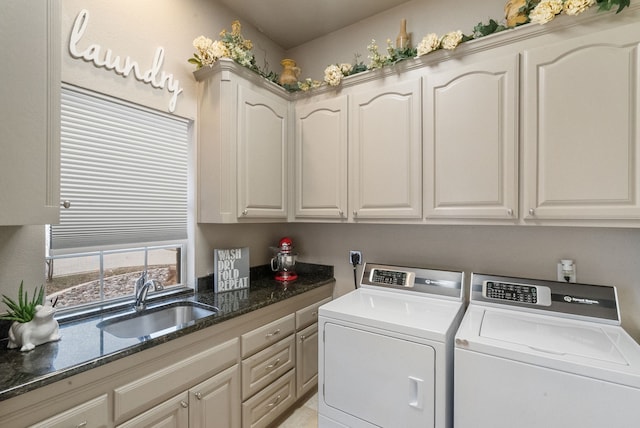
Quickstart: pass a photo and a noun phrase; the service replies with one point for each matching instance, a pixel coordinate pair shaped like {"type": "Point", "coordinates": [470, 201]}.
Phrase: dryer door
{"type": "Point", "coordinates": [378, 379]}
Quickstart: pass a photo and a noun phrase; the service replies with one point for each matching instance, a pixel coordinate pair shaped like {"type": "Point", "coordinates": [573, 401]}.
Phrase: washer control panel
{"type": "Point", "coordinates": [514, 292]}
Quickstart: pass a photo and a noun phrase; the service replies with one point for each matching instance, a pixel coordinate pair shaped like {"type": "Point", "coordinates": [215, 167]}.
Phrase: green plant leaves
{"type": "Point", "coordinates": [24, 310]}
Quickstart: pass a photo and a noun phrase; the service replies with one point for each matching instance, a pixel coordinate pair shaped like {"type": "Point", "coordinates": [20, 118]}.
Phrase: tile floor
{"type": "Point", "coordinates": [304, 416]}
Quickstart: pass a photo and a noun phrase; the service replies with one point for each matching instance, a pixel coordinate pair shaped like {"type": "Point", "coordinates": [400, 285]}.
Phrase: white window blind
{"type": "Point", "coordinates": [124, 170]}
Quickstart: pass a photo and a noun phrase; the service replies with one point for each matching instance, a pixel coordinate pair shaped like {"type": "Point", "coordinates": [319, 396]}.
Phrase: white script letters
{"type": "Point", "coordinates": [153, 76]}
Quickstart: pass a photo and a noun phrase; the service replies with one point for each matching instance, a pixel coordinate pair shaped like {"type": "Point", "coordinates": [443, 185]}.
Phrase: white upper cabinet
{"type": "Point", "coordinates": [30, 112]}
{"type": "Point", "coordinates": [321, 158]}
{"type": "Point", "coordinates": [262, 154]}
{"type": "Point", "coordinates": [471, 140]}
{"type": "Point", "coordinates": [581, 135]}
{"type": "Point", "coordinates": [385, 150]}
{"type": "Point", "coordinates": [242, 146]}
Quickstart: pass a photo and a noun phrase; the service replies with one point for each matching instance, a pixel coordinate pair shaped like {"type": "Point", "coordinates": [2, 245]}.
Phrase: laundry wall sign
{"type": "Point", "coordinates": [105, 58]}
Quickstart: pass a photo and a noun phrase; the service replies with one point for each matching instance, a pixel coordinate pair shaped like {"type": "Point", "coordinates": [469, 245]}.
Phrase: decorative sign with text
{"type": "Point", "coordinates": [231, 269]}
{"type": "Point", "coordinates": [107, 59]}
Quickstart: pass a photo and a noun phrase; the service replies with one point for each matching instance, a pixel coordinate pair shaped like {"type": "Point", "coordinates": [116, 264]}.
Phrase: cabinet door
{"type": "Point", "coordinates": [306, 359]}
{"type": "Point", "coordinates": [321, 158]}
{"type": "Point", "coordinates": [581, 137]}
{"type": "Point", "coordinates": [30, 112]}
{"type": "Point", "coordinates": [385, 152]}
{"type": "Point", "coordinates": [262, 154]}
{"type": "Point", "coordinates": [173, 413]}
{"type": "Point", "coordinates": [471, 141]}
{"type": "Point", "coordinates": [216, 401]}
{"type": "Point", "coordinates": [93, 413]}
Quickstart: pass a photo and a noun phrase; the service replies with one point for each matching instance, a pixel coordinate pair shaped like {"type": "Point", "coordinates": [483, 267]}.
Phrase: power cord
{"type": "Point", "coordinates": [355, 261]}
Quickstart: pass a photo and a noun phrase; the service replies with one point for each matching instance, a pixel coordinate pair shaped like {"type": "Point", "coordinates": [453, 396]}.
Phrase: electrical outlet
{"type": "Point", "coordinates": [355, 257]}
{"type": "Point", "coordinates": [567, 271]}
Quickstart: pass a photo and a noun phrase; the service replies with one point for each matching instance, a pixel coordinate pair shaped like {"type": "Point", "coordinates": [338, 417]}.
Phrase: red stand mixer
{"type": "Point", "coordinates": [284, 261]}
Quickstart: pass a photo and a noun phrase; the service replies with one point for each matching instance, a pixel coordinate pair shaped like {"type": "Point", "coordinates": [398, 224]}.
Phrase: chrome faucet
{"type": "Point", "coordinates": [142, 289]}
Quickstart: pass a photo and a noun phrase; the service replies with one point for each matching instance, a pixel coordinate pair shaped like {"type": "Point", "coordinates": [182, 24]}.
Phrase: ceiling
{"type": "Point", "coordinates": [291, 23]}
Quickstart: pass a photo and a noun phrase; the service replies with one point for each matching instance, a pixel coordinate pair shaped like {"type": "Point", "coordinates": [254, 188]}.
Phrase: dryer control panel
{"type": "Point", "coordinates": [418, 280]}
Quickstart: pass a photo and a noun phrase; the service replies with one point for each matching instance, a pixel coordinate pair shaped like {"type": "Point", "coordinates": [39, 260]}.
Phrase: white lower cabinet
{"type": "Point", "coordinates": [175, 399]}
{"type": "Point", "coordinates": [213, 403]}
{"type": "Point", "coordinates": [306, 359]}
{"type": "Point", "coordinates": [93, 413]}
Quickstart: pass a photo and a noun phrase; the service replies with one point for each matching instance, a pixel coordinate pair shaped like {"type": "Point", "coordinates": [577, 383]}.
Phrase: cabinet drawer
{"type": "Point", "coordinates": [93, 413]}
{"type": "Point", "coordinates": [262, 337]}
{"type": "Point", "coordinates": [261, 369]}
{"type": "Point", "coordinates": [264, 407]}
{"type": "Point", "coordinates": [142, 393]}
{"type": "Point", "coordinates": [309, 315]}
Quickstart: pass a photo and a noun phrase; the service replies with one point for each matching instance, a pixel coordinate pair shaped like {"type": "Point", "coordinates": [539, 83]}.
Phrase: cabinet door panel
{"type": "Point", "coordinates": [321, 159]}
{"type": "Point", "coordinates": [386, 163]}
{"type": "Point", "coordinates": [471, 140]}
{"type": "Point", "coordinates": [306, 359]}
{"type": "Point", "coordinates": [581, 137]}
{"type": "Point", "coordinates": [30, 112]}
{"type": "Point", "coordinates": [216, 401]}
{"type": "Point", "coordinates": [262, 155]}
{"type": "Point", "coordinates": [173, 413]}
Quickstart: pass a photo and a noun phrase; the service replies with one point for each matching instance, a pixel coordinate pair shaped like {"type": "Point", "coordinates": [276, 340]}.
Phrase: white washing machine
{"type": "Point", "coordinates": [386, 350]}
{"type": "Point", "coordinates": [533, 353]}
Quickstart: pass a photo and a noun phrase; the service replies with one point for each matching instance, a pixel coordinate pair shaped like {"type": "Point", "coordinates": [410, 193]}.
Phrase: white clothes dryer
{"type": "Point", "coordinates": [533, 354]}
{"type": "Point", "coordinates": [386, 350]}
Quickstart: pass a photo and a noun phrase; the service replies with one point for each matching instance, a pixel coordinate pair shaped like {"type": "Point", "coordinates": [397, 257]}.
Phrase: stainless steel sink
{"type": "Point", "coordinates": [158, 321]}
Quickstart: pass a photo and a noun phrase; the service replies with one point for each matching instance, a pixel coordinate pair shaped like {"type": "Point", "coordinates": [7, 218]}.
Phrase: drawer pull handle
{"type": "Point", "coordinates": [270, 405]}
{"type": "Point", "coordinates": [273, 334]}
{"type": "Point", "coordinates": [273, 365]}
{"type": "Point", "coordinates": [82, 424]}
{"type": "Point", "coordinates": [198, 395]}
{"type": "Point", "coordinates": [184, 404]}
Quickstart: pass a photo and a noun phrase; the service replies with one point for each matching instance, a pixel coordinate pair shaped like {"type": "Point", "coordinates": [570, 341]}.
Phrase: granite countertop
{"type": "Point", "coordinates": [85, 346]}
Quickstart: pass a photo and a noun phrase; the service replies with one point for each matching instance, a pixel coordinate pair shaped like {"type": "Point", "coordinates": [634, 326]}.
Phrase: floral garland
{"type": "Point", "coordinates": [233, 45]}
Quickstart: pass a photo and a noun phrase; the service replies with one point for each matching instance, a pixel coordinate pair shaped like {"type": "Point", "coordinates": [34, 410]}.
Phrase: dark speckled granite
{"type": "Point", "coordinates": [84, 346]}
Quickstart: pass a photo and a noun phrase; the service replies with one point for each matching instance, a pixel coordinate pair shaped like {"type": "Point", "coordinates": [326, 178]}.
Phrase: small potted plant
{"type": "Point", "coordinates": [33, 322]}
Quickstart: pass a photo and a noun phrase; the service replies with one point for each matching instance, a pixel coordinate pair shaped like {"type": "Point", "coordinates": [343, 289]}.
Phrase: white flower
{"type": "Point", "coordinates": [429, 43]}
{"type": "Point", "coordinates": [451, 40]}
{"type": "Point", "coordinates": [218, 49]}
{"type": "Point", "coordinates": [308, 84]}
{"type": "Point", "coordinates": [333, 75]}
{"type": "Point", "coordinates": [545, 11]}
{"type": "Point", "coordinates": [576, 7]}
{"type": "Point", "coordinates": [345, 68]}
{"type": "Point", "coordinates": [202, 43]}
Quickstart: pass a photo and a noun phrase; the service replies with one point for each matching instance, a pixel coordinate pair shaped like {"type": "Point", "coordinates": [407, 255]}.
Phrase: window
{"type": "Point", "coordinates": [124, 170]}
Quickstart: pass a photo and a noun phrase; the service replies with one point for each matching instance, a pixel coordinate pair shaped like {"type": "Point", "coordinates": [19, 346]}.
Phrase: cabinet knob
{"type": "Point", "coordinates": [198, 395]}
{"type": "Point", "coordinates": [184, 404]}
{"type": "Point", "coordinates": [510, 212]}
{"type": "Point", "coordinates": [245, 212]}
{"type": "Point", "coordinates": [355, 213]}
{"type": "Point", "coordinates": [273, 334]}
{"type": "Point", "coordinates": [65, 204]}
{"type": "Point", "coordinates": [302, 338]}
{"type": "Point", "coordinates": [532, 211]}
{"type": "Point", "coordinates": [341, 213]}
